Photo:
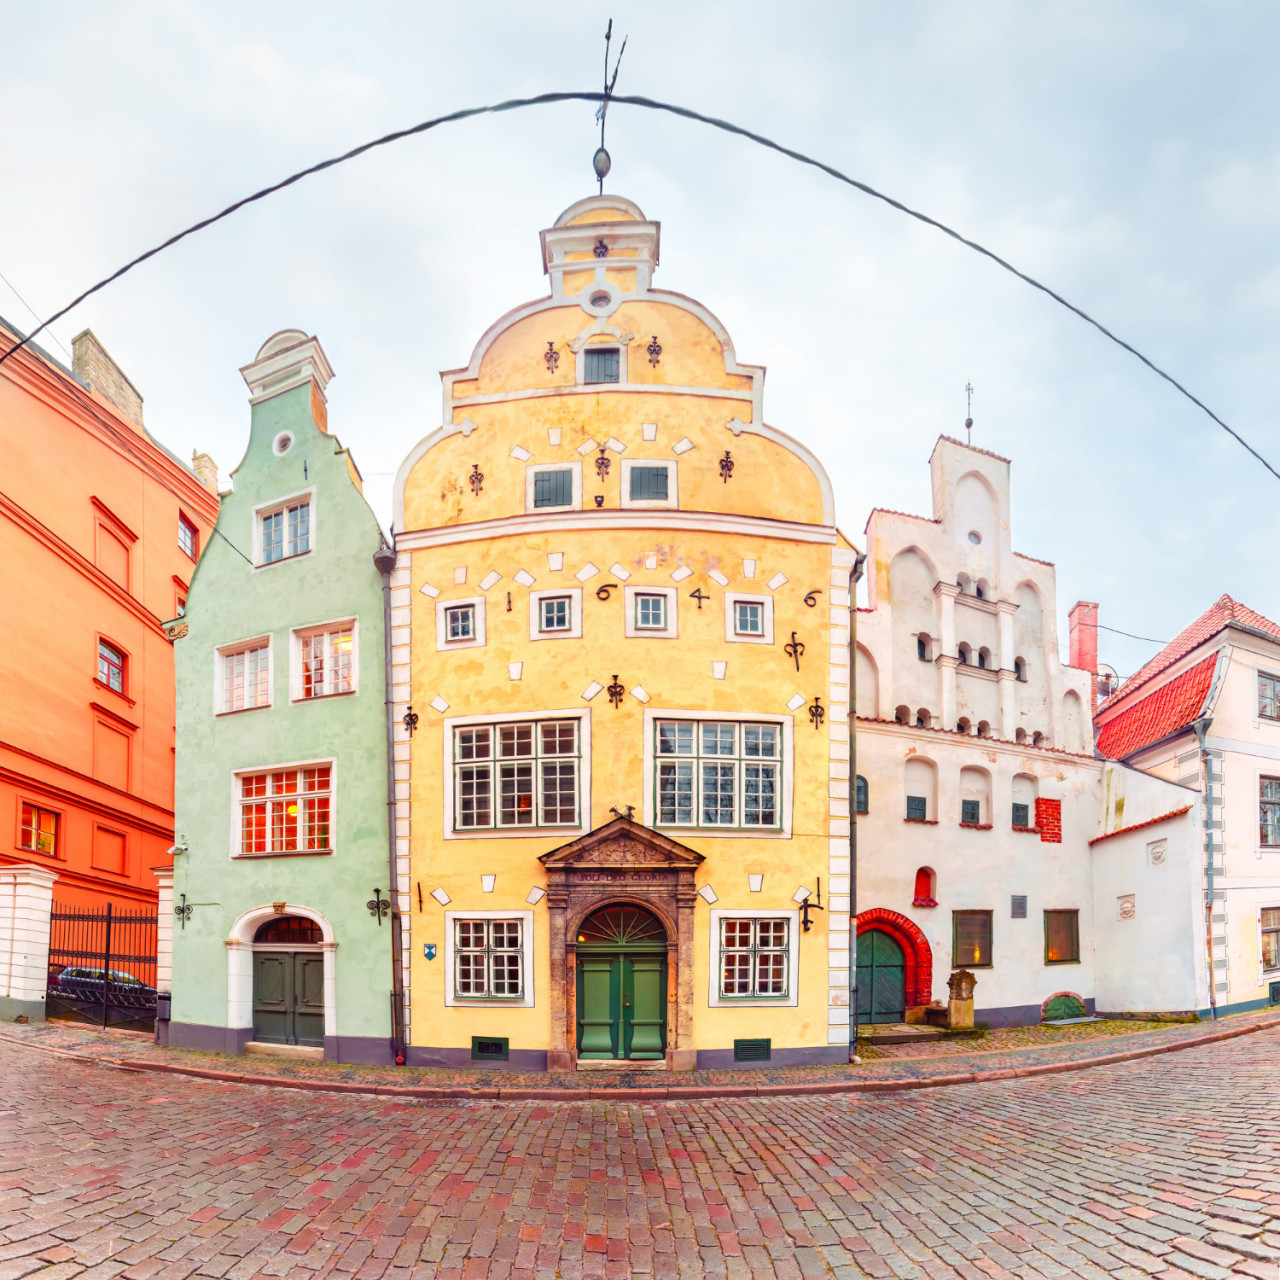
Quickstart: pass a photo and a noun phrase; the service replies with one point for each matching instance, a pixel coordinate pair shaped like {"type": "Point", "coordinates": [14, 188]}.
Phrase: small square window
{"type": "Point", "coordinates": [555, 613]}
{"type": "Point", "coordinates": [651, 613]}
{"type": "Point", "coordinates": [1021, 814]}
{"type": "Point", "coordinates": [649, 484]}
{"type": "Point", "coordinates": [553, 488]}
{"type": "Point", "coordinates": [748, 618]}
{"type": "Point", "coordinates": [327, 661]}
{"type": "Point", "coordinates": [917, 809]}
{"type": "Point", "coordinates": [460, 622]}
{"type": "Point", "coordinates": [39, 830]}
{"type": "Point", "coordinates": [1269, 696]}
{"type": "Point", "coordinates": [188, 536]}
{"type": "Point", "coordinates": [110, 666]}
{"type": "Point", "coordinates": [971, 811]}
{"type": "Point", "coordinates": [286, 532]}
{"type": "Point", "coordinates": [601, 364]}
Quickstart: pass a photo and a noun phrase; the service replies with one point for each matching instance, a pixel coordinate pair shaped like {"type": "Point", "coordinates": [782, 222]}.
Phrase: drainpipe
{"type": "Point", "coordinates": [855, 576]}
{"type": "Point", "coordinates": [384, 560]}
{"type": "Point", "coordinates": [1201, 727]}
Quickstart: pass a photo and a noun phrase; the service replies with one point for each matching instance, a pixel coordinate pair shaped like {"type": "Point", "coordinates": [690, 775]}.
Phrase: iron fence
{"type": "Point", "coordinates": [102, 965]}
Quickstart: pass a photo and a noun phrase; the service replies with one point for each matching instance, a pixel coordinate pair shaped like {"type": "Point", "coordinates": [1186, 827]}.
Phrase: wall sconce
{"type": "Point", "coordinates": [536, 895]}
{"type": "Point", "coordinates": [802, 896]}
{"type": "Point", "coordinates": [708, 894]}
{"type": "Point", "coordinates": [756, 882]}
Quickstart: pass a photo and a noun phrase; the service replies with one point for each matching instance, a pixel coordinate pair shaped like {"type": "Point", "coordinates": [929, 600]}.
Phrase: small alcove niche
{"type": "Point", "coordinates": [926, 894]}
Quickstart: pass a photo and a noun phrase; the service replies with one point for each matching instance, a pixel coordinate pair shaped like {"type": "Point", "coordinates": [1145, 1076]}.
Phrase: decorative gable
{"type": "Point", "coordinates": [622, 843]}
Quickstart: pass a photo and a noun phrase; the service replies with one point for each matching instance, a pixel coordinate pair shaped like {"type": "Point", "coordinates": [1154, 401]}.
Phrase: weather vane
{"type": "Point", "coordinates": [968, 415]}
{"type": "Point", "coordinates": [600, 162]}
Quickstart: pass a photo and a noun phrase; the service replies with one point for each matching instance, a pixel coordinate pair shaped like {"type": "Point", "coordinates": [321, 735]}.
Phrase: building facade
{"type": "Point", "coordinates": [620, 637]}
{"type": "Point", "coordinates": [978, 793]}
{"type": "Point", "coordinates": [1205, 713]}
{"type": "Point", "coordinates": [281, 931]}
{"type": "Point", "coordinates": [100, 531]}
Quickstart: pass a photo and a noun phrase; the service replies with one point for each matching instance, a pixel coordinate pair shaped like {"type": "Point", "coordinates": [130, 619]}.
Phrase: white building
{"type": "Point", "coordinates": [978, 791]}
{"type": "Point", "coordinates": [1205, 713]}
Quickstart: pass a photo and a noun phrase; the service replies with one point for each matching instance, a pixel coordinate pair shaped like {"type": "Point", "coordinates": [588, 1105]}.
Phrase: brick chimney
{"type": "Point", "coordinates": [206, 471]}
{"type": "Point", "coordinates": [91, 364]}
{"type": "Point", "coordinates": [1083, 622]}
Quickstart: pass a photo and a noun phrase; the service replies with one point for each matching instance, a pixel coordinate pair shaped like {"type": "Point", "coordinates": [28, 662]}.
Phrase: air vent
{"type": "Point", "coordinates": [1275, 993]}
{"type": "Point", "coordinates": [490, 1049]}
{"type": "Point", "coordinates": [1018, 907]}
{"type": "Point", "coordinates": [752, 1050]}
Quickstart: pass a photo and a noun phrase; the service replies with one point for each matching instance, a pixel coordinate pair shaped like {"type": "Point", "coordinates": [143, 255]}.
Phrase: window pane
{"type": "Point", "coordinates": [312, 666]}
{"type": "Point", "coordinates": [470, 933]}
{"type": "Point", "coordinates": [748, 618]}
{"type": "Point", "coordinates": [1268, 696]}
{"type": "Point", "coordinates": [651, 612]}
{"type": "Point", "coordinates": [861, 795]}
{"type": "Point", "coordinates": [515, 782]}
{"type": "Point", "coordinates": [675, 793]}
{"type": "Point", "coordinates": [771, 974]}
{"type": "Point", "coordinates": [675, 738]}
{"type": "Point", "coordinates": [1269, 812]}
{"type": "Point", "coordinates": [473, 744]}
{"type": "Point", "coordinates": [471, 973]}
{"type": "Point", "coordinates": [559, 737]}
{"type": "Point", "coordinates": [459, 623]}
{"type": "Point", "coordinates": [649, 484]}
{"type": "Point", "coordinates": [718, 739]}
{"type": "Point", "coordinates": [110, 666]}
{"type": "Point", "coordinates": [474, 796]}
{"type": "Point", "coordinates": [917, 808]}
{"type": "Point", "coordinates": [972, 938]}
{"type": "Point", "coordinates": [760, 740]}
{"type": "Point", "coordinates": [600, 364]}
{"type": "Point", "coordinates": [760, 795]}
{"type": "Point", "coordinates": [555, 614]}
{"type": "Point", "coordinates": [970, 811]}
{"type": "Point", "coordinates": [736, 933]}
{"type": "Point", "coordinates": [553, 488]}
{"type": "Point", "coordinates": [1061, 936]}
{"type": "Point", "coordinates": [559, 792]}
{"type": "Point", "coordinates": [772, 933]}
{"type": "Point", "coordinates": [273, 537]}
{"type": "Point", "coordinates": [717, 794]}
{"type": "Point", "coordinates": [1021, 815]}
{"type": "Point", "coordinates": [505, 971]}
{"type": "Point", "coordinates": [515, 740]}
{"type": "Point", "coordinates": [187, 536]}
{"type": "Point", "coordinates": [504, 933]}
{"type": "Point", "coordinates": [299, 528]}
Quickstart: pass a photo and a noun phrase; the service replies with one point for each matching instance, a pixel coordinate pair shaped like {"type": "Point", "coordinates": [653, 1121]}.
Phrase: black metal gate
{"type": "Point", "coordinates": [102, 966]}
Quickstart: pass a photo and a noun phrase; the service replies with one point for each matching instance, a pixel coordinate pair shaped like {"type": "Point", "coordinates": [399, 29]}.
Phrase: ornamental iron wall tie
{"type": "Point", "coordinates": [615, 692]}
{"type": "Point", "coordinates": [378, 906]}
{"type": "Point", "coordinates": [603, 464]}
{"type": "Point", "coordinates": [551, 356]}
{"type": "Point", "coordinates": [655, 351]}
{"type": "Point", "coordinates": [794, 649]}
{"type": "Point", "coordinates": [411, 720]}
{"type": "Point", "coordinates": [817, 712]}
{"type": "Point", "coordinates": [476, 479]}
{"type": "Point", "coordinates": [601, 249]}
{"type": "Point", "coordinates": [726, 467]}
{"type": "Point", "coordinates": [183, 912]}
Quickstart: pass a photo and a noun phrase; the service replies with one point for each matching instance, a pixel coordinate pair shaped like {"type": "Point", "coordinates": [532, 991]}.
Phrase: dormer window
{"type": "Point", "coordinates": [601, 364]}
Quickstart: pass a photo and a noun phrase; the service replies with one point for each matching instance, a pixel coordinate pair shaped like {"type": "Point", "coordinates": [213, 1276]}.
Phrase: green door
{"type": "Point", "coordinates": [881, 978]}
{"type": "Point", "coordinates": [288, 997]}
{"type": "Point", "coordinates": [622, 985]}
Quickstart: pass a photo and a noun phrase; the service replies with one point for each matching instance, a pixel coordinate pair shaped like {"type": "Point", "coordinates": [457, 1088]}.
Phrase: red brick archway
{"type": "Point", "coordinates": [918, 964]}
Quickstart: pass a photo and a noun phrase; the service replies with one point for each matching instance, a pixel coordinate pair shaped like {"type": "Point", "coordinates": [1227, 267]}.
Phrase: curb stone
{"type": "Point", "coordinates": [661, 1093]}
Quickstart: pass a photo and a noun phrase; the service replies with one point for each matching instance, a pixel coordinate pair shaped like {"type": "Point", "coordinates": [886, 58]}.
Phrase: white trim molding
{"type": "Point", "coordinates": [636, 632]}
{"type": "Point", "coordinates": [478, 638]}
{"type": "Point", "coordinates": [526, 960]}
{"type": "Point", "coordinates": [573, 631]}
{"type": "Point", "coordinates": [731, 634]}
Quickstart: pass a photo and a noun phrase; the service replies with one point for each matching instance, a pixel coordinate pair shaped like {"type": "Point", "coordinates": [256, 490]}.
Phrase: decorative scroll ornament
{"type": "Point", "coordinates": [552, 357]}
{"type": "Point", "coordinates": [794, 650]}
{"type": "Point", "coordinates": [378, 907]}
{"type": "Point", "coordinates": [726, 467]}
{"type": "Point", "coordinates": [811, 597]}
{"type": "Point", "coordinates": [601, 249]}
{"type": "Point", "coordinates": [615, 692]}
{"type": "Point", "coordinates": [476, 478]}
{"type": "Point", "coordinates": [178, 630]}
{"type": "Point", "coordinates": [183, 912]}
{"type": "Point", "coordinates": [655, 351]}
{"type": "Point", "coordinates": [817, 712]}
{"type": "Point", "coordinates": [603, 464]}
{"type": "Point", "coordinates": [411, 720]}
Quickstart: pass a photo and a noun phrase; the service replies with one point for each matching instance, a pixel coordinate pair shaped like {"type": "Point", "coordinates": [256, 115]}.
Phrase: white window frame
{"type": "Point", "coordinates": [269, 509]}
{"type": "Point", "coordinates": [730, 632]}
{"type": "Point", "coordinates": [614, 342]}
{"type": "Point", "coordinates": [1269, 673]}
{"type": "Point", "coordinates": [575, 469]}
{"type": "Point", "coordinates": [1265, 976]}
{"type": "Point", "coordinates": [477, 641]}
{"type": "Point", "coordinates": [295, 658]}
{"type": "Point", "coordinates": [582, 716]}
{"type": "Point", "coordinates": [636, 632]}
{"type": "Point", "coordinates": [669, 503]}
{"type": "Point", "coordinates": [527, 954]}
{"type": "Point", "coordinates": [574, 631]}
{"type": "Point", "coordinates": [715, 1000]}
{"type": "Point", "coordinates": [237, 774]}
{"type": "Point", "coordinates": [1270, 771]}
{"type": "Point", "coordinates": [195, 536]}
{"type": "Point", "coordinates": [786, 740]}
{"type": "Point", "coordinates": [224, 651]}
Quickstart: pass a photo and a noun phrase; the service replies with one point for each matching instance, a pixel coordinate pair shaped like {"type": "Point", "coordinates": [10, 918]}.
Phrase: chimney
{"type": "Point", "coordinates": [97, 370]}
{"type": "Point", "coordinates": [1083, 622]}
{"type": "Point", "coordinates": [206, 471]}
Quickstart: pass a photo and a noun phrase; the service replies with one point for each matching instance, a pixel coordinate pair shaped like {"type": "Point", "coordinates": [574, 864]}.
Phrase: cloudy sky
{"type": "Point", "coordinates": [1124, 153]}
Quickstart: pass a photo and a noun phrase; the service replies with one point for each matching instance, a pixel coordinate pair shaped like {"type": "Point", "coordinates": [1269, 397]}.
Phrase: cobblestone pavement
{"type": "Point", "coordinates": [1167, 1167]}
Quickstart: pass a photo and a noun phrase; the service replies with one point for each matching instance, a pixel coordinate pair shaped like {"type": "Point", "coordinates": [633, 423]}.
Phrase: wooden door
{"type": "Point", "coordinates": [881, 978]}
{"type": "Point", "coordinates": [599, 1004]}
{"type": "Point", "coordinates": [644, 1006]}
{"type": "Point", "coordinates": [288, 997]}
{"type": "Point", "coordinates": [308, 1006]}
{"type": "Point", "coordinates": [622, 1005]}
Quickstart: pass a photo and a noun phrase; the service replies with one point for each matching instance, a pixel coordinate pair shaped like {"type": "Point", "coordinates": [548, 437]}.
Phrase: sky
{"type": "Point", "coordinates": [1126, 154]}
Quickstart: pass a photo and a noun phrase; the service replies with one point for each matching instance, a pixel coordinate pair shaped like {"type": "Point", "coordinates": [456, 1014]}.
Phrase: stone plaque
{"type": "Point", "coordinates": [1126, 907]}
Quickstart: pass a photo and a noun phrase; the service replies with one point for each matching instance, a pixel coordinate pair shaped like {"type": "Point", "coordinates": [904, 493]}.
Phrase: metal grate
{"type": "Point", "coordinates": [490, 1049]}
{"type": "Point", "coordinates": [1018, 906]}
{"type": "Point", "coordinates": [752, 1050]}
{"type": "Point", "coordinates": [1275, 993]}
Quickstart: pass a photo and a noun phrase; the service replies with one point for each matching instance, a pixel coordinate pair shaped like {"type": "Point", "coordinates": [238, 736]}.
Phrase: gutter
{"type": "Point", "coordinates": [384, 560]}
{"type": "Point", "coordinates": [855, 575]}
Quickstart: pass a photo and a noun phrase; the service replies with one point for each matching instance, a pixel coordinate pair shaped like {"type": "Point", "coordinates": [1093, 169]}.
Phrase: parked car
{"type": "Point", "coordinates": [85, 985]}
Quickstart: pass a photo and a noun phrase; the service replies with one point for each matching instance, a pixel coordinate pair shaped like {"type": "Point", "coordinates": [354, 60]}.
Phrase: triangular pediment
{"type": "Point", "coordinates": [622, 843]}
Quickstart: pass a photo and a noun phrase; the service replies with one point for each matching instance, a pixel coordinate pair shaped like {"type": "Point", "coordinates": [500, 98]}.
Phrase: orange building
{"type": "Point", "coordinates": [100, 528]}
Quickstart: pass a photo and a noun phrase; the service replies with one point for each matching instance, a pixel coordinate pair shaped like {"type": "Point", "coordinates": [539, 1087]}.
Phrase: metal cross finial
{"type": "Point", "coordinates": [600, 161]}
{"type": "Point", "coordinates": [968, 412]}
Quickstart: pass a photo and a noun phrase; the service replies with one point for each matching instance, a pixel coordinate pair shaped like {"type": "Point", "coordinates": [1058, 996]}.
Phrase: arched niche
{"type": "Point", "coordinates": [866, 684]}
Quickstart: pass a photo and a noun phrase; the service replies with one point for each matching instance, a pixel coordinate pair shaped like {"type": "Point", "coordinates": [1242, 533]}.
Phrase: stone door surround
{"type": "Point", "coordinates": [621, 862]}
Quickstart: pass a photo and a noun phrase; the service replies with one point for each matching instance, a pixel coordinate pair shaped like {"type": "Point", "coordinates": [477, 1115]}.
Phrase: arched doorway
{"type": "Point", "coordinates": [622, 984]}
{"type": "Point", "coordinates": [288, 982]}
{"type": "Point", "coordinates": [882, 987]}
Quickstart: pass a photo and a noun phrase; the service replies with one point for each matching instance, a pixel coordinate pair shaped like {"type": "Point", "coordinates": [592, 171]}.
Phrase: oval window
{"type": "Point", "coordinates": [975, 537]}
{"type": "Point", "coordinates": [283, 442]}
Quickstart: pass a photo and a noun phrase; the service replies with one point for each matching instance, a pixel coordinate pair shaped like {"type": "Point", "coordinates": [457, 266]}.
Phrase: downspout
{"type": "Point", "coordinates": [855, 576]}
{"type": "Point", "coordinates": [384, 560]}
{"type": "Point", "coordinates": [1201, 727]}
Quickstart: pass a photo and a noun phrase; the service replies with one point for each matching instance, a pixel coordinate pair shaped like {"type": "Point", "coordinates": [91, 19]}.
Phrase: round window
{"type": "Point", "coordinates": [600, 300]}
{"type": "Point", "coordinates": [284, 442]}
{"type": "Point", "coordinates": [975, 537]}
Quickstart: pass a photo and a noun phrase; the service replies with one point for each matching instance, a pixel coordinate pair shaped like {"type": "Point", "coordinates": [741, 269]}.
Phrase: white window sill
{"type": "Point", "coordinates": [285, 853]}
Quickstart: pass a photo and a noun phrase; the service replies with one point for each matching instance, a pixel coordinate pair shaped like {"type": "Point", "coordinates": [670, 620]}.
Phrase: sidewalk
{"type": "Point", "coordinates": [952, 1063]}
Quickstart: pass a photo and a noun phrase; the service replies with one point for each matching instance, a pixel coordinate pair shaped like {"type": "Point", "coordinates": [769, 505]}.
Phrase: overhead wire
{"type": "Point", "coordinates": [1131, 636]}
{"type": "Point", "coordinates": [651, 104]}
{"type": "Point", "coordinates": [14, 290]}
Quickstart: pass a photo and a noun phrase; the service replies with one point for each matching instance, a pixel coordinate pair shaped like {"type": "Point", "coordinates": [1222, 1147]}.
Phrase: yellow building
{"type": "Point", "coordinates": [621, 617]}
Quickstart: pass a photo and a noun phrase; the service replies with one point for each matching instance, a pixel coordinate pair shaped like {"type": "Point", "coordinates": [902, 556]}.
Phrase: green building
{"type": "Point", "coordinates": [282, 930]}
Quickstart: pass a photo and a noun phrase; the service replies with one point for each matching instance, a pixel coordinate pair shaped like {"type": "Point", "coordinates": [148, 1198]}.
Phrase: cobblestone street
{"type": "Point", "coordinates": [1168, 1166]}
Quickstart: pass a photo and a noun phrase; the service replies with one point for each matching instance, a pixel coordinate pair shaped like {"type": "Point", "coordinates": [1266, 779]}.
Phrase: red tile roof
{"type": "Point", "coordinates": [1137, 826]}
{"type": "Point", "coordinates": [1165, 710]}
{"type": "Point", "coordinates": [1207, 625]}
